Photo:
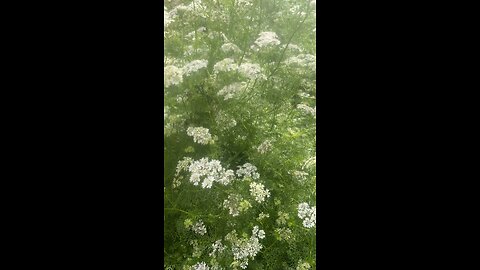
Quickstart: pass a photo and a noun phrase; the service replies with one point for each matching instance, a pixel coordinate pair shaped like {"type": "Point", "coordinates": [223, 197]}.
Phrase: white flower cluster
{"type": "Point", "coordinates": [244, 248]}
{"type": "Point", "coordinates": [259, 191]}
{"type": "Point", "coordinates": [230, 47]}
{"type": "Point", "coordinates": [258, 233]}
{"type": "Point", "coordinates": [303, 60]}
{"type": "Point", "coordinates": [262, 216]}
{"type": "Point", "coordinates": [217, 247]}
{"type": "Point", "coordinates": [167, 17]}
{"type": "Point", "coordinates": [248, 170]}
{"type": "Point", "coordinates": [210, 171]}
{"type": "Point", "coordinates": [265, 147]}
{"type": "Point", "coordinates": [199, 228]}
{"type": "Point", "coordinates": [251, 71]}
{"type": "Point", "coordinates": [267, 39]}
{"type": "Point", "coordinates": [307, 109]}
{"type": "Point", "coordinates": [196, 7]}
{"type": "Point", "coordinates": [232, 90]}
{"type": "Point", "coordinates": [182, 165]}
{"type": "Point", "coordinates": [172, 75]}
{"type": "Point", "coordinates": [308, 214]}
{"type": "Point", "coordinates": [200, 266]}
{"type": "Point", "coordinates": [200, 135]}
{"type": "Point", "coordinates": [194, 66]}
{"type": "Point", "coordinates": [226, 65]}
{"type": "Point", "coordinates": [303, 266]}
{"type": "Point", "coordinates": [232, 203]}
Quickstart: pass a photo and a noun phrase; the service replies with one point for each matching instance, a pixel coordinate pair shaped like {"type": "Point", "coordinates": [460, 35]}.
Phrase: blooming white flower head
{"type": "Point", "coordinates": [265, 147]}
{"type": "Point", "coordinates": [259, 191]}
{"type": "Point", "coordinates": [172, 76]}
{"type": "Point", "coordinates": [258, 233]}
{"type": "Point", "coordinates": [303, 60]}
{"type": "Point", "coordinates": [167, 19]}
{"type": "Point", "coordinates": [200, 266]}
{"type": "Point", "coordinates": [303, 266]}
{"type": "Point", "coordinates": [308, 110]}
{"type": "Point", "coordinates": [194, 66]}
{"type": "Point", "coordinates": [199, 228]}
{"type": "Point", "coordinates": [251, 71]}
{"type": "Point", "coordinates": [309, 215]}
{"type": "Point", "coordinates": [248, 170]}
{"type": "Point", "coordinates": [226, 65]}
{"type": "Point", "coordinates": [232, 90]}
{"type": "Point", "coordinates": [200, 135]}
{"type": "Point", "coordinates": [211, 171]}
{"type": "Point", "coordinates": [267, 39]}
{"type": "Point", "coordinates": [217, 247]}
{"type": "Point", "coordinates": [182, 165]}
{"type": "Point", "coordinates": [244, 248]}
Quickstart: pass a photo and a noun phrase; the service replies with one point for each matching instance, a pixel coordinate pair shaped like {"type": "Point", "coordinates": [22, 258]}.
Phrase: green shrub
{"type": "Point", "coordinates": [239, 134]}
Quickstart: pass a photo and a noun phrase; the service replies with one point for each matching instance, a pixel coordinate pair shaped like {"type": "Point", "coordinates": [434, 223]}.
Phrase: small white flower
{"type": "Point", "coordinates": [172, 76]}
{"type": "Point", "coordinates": [307, 109]}
{"type": "Point", "coordinates": [309, 215]}
{"type": "Point", "coordinates": [251, 71]}
{"type": "Point", "coordinates": [261, 234]}
{"type": "Point", "coordinates": [225, 65]}
{"type": "Point", "coordinates": [259, 191]}
{"type": "Point", "coordinates": [200, 135]}
{"type": "Point", "coordinates": [199, 228]}
{"type": "Point", "coordinates": [303, 266]}
{"type": "Point", "coordinates": [248, 170]}
{"type": "Point", "coordinates": [194, 66]}
{"type": "Point", "coordinates": [200, 266]}
{"type": "Point", "coordinates": [267, 39]}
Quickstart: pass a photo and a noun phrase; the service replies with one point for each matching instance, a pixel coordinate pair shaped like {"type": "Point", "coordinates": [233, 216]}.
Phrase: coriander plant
{"type": "Point", "coordinates": [239, 134]}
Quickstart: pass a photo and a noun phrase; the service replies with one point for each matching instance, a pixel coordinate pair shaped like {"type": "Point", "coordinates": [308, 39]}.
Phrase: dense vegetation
{"type": "Point", "coordinates": [239, 134]}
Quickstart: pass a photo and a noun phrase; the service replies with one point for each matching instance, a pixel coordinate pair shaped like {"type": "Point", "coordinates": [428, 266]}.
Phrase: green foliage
{"type": "Point", "coordinates": [261, 123]}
